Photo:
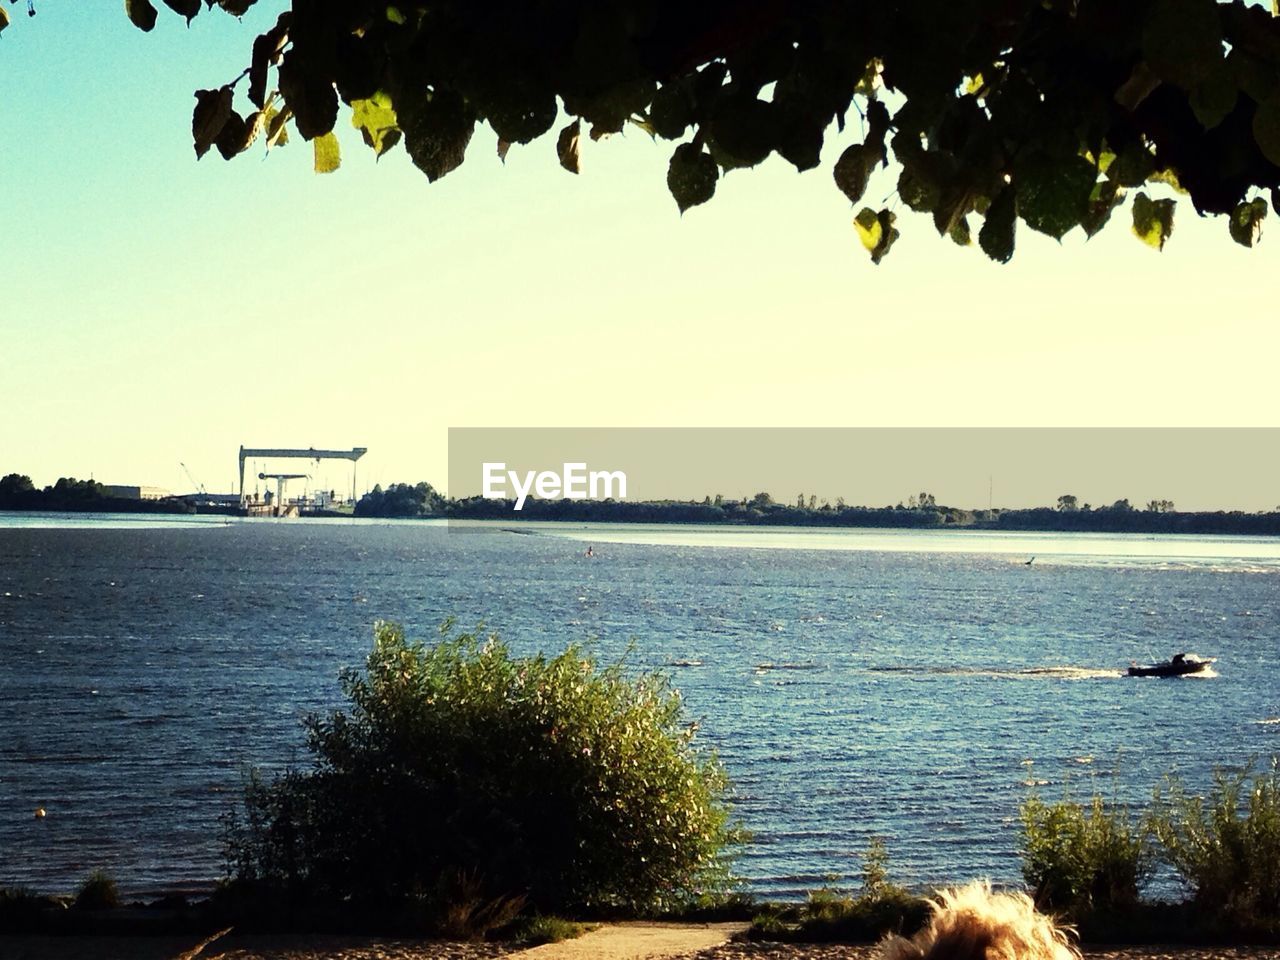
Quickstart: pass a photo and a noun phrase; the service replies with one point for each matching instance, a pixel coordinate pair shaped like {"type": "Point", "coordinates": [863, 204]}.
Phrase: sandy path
{"type": "Point", "coordinates": [637, 941]}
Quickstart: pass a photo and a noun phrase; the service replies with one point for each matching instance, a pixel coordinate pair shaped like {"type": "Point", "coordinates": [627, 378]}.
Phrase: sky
{"type": "Point", "coordinates": [157, 310]}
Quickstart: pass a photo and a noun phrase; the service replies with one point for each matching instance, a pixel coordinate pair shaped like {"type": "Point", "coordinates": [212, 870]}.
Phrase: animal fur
{"type": "Point", "coordinates": [972, 923]}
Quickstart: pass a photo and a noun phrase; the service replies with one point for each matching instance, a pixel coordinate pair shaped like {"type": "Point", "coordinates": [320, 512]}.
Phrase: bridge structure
{"type": "Point", "coordinates": [294, 453]}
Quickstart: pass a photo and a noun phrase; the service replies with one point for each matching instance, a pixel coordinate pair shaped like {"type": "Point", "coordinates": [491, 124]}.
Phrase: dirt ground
{"type": "Point", "coordinates": [614, 942]}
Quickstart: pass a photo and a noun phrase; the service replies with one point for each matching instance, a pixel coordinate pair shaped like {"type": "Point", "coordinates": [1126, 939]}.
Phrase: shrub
{"type": "Point", "coordinates": [1083, 859]}
{"type": "Point", "coordinates": [553, 779]}
{"type": "Point", "coordinates": [97, 892]}
{"type": "Point", "coordinates": [1226, 848]}
{"type": "Point", "coordinates": [832, 915]}
{"type": "Point", "coordinates": [539, 929]}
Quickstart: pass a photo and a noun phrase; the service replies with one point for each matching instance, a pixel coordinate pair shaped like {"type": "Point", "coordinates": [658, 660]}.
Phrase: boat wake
{"type": "Point", "coordinates": [808, 665]}
{"type": "Point", "coordinates": [1027, 673]}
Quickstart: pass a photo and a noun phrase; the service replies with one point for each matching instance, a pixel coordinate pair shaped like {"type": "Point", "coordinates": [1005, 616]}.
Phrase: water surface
{"type": "Point", "coordinates": [856, 683]}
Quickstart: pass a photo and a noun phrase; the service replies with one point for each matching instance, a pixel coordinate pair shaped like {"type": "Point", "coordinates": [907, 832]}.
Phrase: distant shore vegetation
{"type": "Point", "coordinates": [920, 511]}
{"type": "Point", "coordinates": [70, 495]}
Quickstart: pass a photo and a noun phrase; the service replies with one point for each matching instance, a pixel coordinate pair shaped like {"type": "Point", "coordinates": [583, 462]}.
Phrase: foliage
{"type": "Point", "coordinates": [1226, 847]}
{"type": "Point", "coordinates": [541, 928]}
{"type": "Point", "coordinates": [97, 892]}
{"type": "Point", "coordinates": [833, 915]}
{"type": "Point", "coordinates": [1083, 859]}
{"type": "Point", "coordinates": [17, 492]}
{"type": "Point", "coordinates": [401, 500]}
{"type": "Point", "coordinates": [1044, 111]}
{"type": "Point", "coordinates": [550, 778]}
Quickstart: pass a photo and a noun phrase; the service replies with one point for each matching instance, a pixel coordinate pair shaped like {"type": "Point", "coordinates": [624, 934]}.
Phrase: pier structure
{"type": "Point", "coordinates": [296, 453]}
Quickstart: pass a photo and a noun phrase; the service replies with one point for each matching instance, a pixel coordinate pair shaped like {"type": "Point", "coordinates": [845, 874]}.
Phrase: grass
{"type": "Point", "coordinates": [535, 930]}
{"type": "Point", "coordinates": [832, 915]}
{"type": "Point", "coordinates": [97, 892]}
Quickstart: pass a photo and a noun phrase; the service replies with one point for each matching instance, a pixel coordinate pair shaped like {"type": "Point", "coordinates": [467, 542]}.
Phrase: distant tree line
{"type": "Point", "coordinates": [919, 511]}
{"type": "Point", "coordinates": [70, 495]}
{"type": "Point", "coordinates": [401, 500]}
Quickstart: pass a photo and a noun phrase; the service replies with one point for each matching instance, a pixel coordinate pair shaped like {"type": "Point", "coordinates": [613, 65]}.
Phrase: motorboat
{"type": "Point", "coordinates": [1179, 665]}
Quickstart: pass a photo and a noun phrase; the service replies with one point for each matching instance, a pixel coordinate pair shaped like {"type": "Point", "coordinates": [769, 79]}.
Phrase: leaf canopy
{"type": "Point", "coordinates": [1038, 110]}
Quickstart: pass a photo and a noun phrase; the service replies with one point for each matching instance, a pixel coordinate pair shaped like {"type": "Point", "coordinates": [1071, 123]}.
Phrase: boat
{"type": "Point", "coordinates": [1179, 665]}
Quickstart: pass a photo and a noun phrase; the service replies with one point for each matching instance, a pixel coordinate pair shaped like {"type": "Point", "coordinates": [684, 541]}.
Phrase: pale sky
{"type": "Point", "coordinates": [158, 310]}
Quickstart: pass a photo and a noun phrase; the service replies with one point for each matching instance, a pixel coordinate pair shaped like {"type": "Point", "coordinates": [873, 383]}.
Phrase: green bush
{"type": "Point", "coordinates": [1226, 847]}
{"type": "Point", "coordinates": [97, 892]}
{"type": "Point", "coordinates": [1081, 859]}
{"type": "Point", "coordinates": [831, 915]}
{"type": "Point", "coordinates": [539, 929]}
{"type": "Point", "coordinates": [547, 778]}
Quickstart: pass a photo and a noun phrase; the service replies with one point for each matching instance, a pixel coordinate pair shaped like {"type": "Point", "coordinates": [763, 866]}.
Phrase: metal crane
{"type": "Point", "coordinates": [194, 482]}
{"type": "Point", "coordinates": [293, 453]}
{"type": "Point", "coordinates": [280, 479]}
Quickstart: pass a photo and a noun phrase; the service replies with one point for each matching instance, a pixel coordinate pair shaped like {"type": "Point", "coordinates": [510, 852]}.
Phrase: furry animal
{"type": "Point", "coordinates": [972, 923]}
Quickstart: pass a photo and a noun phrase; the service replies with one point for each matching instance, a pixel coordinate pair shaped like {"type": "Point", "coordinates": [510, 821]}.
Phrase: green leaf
{"type": "Point", "coordinates": [744, 131]}
{"type": "Point", "coordinates": [4, 19]}
{"type": "Point", "coordinates": [312, 98]}
{"type": "Point", "coordinates": [520, 111]}
{"type": "Point", "coordinates": [375, 118]}
{"type": "Point", "coordinates": [184, 8]}
{"type": "Point", "coordinates": [1053, 192]}
{"type": "Point", "coordinates": [856, 164]}
{"type": "Point", "coordinates": [1255, 76]}
{"type": "Point", "coordinates": [1152, 220]}
{"type": "Point", "coordinates": [267, 48]}
{"type": "Point", "coordinates": [327, 155]}
{"type": "Point", "coordinates": [1140, 85]}
{"type": "Point", "coordinates": [567, 147]}
{"type": "Point", "coordinates": [876, 231]}
{"type": "Point", "coordinates": [691, 176]}
{"type": "Point", "coordinates": [1266, 128]}
{"type": "Point", "coordinates": [142, 13]}
{"type": "Point", "coordinates": [277, 126]}
{"type": "Point", "coordinates": [1246, 222]}
{"type": "Point", "coordinates": [437, 127]}
{"type": "Point", "coordinates": [997, 234]}
{"type": "Point", "coordinates": [1215, 96]}
{"type": "Point", "coordinates": [916, 190]}
{"type": "Point", "coordinates": [236, 135]}
{"type": "Point", "coordinates": [671, 113]}
{"type": "Point", "coordinates": [852, 171]}
{"type": "Point", "coordinates": [1106, 196]}
{"type": "Point", "coordinates": [213, 109]}
{"type": "Point", "coordinates": [800, 137]}
{"type": "Point", "coordinates": [959, 232]}
{"type": "Point", "coordinates": [1182, 40]}
{"type": "Point", "coordinates": [1169, 177]}
{"type": "Point", "coordinates": [953, 204]}
{"type": "Point", "coordinates": [1132, 165]}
